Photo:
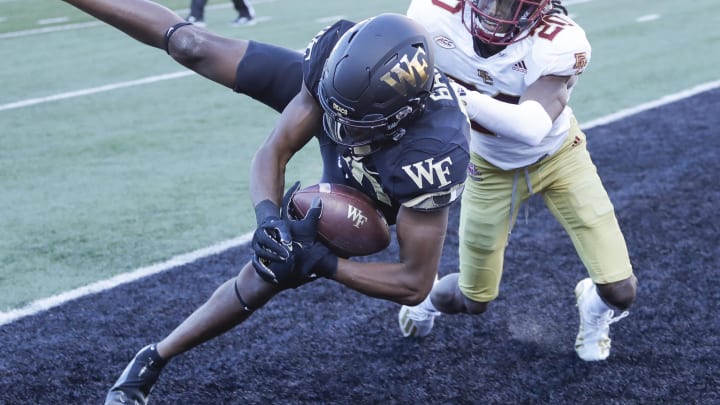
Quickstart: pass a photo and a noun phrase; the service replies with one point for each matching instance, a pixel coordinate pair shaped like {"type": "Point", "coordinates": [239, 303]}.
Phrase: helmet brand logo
{"type": "Point", "coordinates": [340, 109]}
{"type": "Point", "coordinates": [408, 73]}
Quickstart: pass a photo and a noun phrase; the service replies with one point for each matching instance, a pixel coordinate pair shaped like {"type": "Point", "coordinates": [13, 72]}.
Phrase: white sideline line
{"type": "Point", "coordinates": [59, 299]}
{"type": "Point", "coordinates": [99, 286]}
{"type": "Point", "coordinates": [651, 104]}
{"type": "Point", "coordinates": [93, 90]}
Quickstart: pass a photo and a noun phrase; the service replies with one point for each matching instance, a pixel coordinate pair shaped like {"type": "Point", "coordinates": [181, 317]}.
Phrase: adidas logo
{"type": "Point", "coordinates": [520, 67]}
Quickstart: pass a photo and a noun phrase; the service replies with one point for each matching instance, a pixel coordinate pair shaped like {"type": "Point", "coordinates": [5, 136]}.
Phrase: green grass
{"type": "Point", "coordinates": [97, 185]}
{"type": "Point", "coordinates": [633, 62]}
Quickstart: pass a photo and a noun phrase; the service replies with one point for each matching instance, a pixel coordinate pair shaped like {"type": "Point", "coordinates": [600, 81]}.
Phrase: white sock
{"type": "Point", "coordinates": [427, 304]}
{"type": "Point", "coordinates": [595, 304]}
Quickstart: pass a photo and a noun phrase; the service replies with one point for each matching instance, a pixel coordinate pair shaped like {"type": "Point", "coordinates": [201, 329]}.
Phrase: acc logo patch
{"type": "Point", "coordinates": [444, 42]}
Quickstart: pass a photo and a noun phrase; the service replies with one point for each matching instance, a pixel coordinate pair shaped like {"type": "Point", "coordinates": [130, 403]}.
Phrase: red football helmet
{"type": "Point", "coordinates": [502, 22]}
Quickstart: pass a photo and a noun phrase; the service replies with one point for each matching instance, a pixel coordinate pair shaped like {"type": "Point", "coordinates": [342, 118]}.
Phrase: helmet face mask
{"type": "Point", "coordinates": [375, 81]}
{"type": "Point", "coordinates": [501, 22]}
{"type": "Point", "coordinates": [372, 128]}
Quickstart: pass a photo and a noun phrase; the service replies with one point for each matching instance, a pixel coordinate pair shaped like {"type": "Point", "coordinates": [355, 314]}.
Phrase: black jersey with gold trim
{"type": "Point", "coordinates": [425, 169]}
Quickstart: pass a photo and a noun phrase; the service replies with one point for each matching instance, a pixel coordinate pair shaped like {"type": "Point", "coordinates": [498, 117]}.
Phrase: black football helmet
{"type": "Point", "coordinates": [376, 80]}
{"type": "Point", "coordinates": [502, 22]}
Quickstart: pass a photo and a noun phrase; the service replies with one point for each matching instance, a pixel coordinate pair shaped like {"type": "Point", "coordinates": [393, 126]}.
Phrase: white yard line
{"type": "Point", "coordinates": [36, 31]}
{"type": "Point", "coordinates": [45, 30]}
{"type": "Point", "coordinates": [57, 300]}
{"type": "Point", "coordinates": [93, 90]}
{"type": "Point", "coordinates": [647, 18]}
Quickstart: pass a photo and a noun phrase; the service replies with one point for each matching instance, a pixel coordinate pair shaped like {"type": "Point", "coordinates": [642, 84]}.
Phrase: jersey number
{"type": "Point", "coordinates": [549, 27]}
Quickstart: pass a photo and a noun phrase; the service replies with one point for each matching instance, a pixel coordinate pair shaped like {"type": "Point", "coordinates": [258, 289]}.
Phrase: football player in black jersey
{"type": "Point", "coordinates": [387, 124]}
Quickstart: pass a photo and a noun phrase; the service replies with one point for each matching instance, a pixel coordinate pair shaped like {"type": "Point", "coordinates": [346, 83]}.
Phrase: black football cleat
{"type": "Point", "coordinates": [138, 378]}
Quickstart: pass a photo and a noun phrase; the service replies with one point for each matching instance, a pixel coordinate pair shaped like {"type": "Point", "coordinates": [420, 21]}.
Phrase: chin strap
{"type": "Point", "coordinates": [170, 31]}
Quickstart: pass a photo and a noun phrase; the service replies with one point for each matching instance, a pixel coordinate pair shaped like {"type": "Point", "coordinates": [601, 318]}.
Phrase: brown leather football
{"type": "Point", "coordinates": [350, 224]}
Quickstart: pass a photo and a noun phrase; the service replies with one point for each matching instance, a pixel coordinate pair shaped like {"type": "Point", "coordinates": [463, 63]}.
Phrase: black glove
{"type": "Point", "coordinates": [316, 260]}
{"type": "Point", "coordinates": [308, 257]}
{"type": "Point", "coordinates": [272, 238]}
{"type": "Point", "coordinates": [312, 258]}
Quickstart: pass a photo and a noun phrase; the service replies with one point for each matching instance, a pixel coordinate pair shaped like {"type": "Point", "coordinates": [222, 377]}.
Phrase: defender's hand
{"type": "Point", "coordinates": [466, 97]}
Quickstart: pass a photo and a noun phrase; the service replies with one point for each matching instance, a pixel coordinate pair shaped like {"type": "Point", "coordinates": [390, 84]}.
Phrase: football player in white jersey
{"type": "Point", "coordinates": [517, 62]}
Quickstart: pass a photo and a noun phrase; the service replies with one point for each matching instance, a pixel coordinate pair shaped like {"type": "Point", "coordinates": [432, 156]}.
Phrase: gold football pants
{"type": "Point", "coordinates": [572, 190]}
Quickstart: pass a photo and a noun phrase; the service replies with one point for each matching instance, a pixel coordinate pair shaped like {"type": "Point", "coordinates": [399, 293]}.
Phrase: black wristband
{"type": "Point", "coordinates": [264, 209]}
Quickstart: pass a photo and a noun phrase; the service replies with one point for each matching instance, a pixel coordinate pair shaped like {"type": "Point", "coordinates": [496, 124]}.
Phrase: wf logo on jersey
{"type": "Point", "coordinates": [356, 216]}
{"type": "Point", "coordinates": [408, 72]}
{"type": "Point", "coordinates": [429, 171]}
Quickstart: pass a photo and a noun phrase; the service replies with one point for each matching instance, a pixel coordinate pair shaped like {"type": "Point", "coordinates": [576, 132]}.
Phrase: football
{"type": "Point", "coordinates": [350, 224]}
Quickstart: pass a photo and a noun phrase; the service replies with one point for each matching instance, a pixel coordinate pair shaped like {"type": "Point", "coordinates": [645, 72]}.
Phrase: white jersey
{"type": "Point", "coordinates": [556, 46]}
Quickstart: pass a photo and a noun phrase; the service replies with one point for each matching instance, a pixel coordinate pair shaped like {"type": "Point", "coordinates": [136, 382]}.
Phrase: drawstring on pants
{"type": "Point", "coordinates": [513, 198]}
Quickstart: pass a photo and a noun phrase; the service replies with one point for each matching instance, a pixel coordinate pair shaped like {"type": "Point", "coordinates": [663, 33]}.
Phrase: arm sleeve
{"type": "Point", "coordinates": [527, 122]}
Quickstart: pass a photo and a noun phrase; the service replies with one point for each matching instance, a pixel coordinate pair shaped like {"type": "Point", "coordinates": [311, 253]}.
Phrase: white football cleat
{"type": "Point", "coordinates": [416, 321]}
{"type": "Point", "coordinates": [244, 20]}
{"type": "Point", "coordinates": [196, 21]}
{"type": "Point", "coordinates": [593, 339]}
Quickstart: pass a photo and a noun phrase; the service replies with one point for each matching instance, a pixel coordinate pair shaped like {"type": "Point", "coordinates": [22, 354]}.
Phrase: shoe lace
{"type": "Point", "coordinates": [606, 318]}
{"type": "Point", "coordinates": [420, 314]}
{"type": "Point", "coordinates": [612, 320]}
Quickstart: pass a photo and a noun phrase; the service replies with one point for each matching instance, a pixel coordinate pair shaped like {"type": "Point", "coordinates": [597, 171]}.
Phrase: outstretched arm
{"type": "Point", "coordinates": [208, 54]}
{"type": "Point", "coordinates": [528, 121]}
{"type": "Point", "coordinates": [143, 20]}
{"type": "Point", "coordinates": [295, 128]}
{"type": "Point", "coordinates": [421, 235]}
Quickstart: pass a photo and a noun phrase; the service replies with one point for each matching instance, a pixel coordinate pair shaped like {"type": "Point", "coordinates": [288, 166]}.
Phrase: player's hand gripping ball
{"type": "Point", "coordinates": [350, 224]}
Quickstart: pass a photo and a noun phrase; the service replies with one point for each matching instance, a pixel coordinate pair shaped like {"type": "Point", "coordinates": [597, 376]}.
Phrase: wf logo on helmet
{"type": "Point", "coordinates": [408, 72]}
{"type": "Point", "coordinates": [356, 216]}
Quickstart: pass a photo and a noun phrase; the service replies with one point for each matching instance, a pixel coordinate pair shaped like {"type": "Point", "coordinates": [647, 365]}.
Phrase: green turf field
{"type": "Point", "coordinates": [103, 183]}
